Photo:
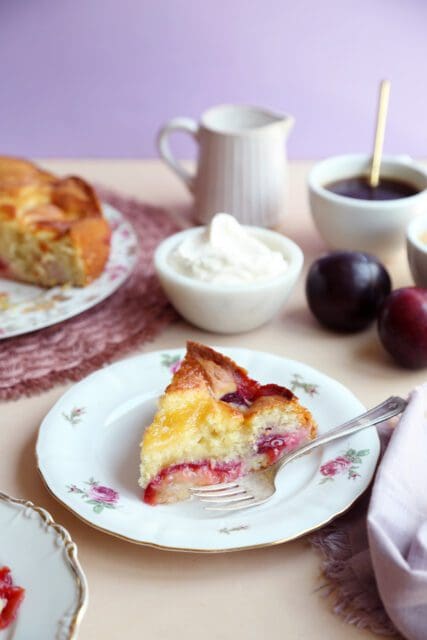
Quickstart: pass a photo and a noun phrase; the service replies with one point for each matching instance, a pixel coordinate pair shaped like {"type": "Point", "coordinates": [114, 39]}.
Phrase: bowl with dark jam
{"type": "Point", "coordinates": [351, 214]}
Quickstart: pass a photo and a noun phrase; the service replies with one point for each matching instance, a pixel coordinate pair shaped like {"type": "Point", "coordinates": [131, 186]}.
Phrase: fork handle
{"type": "Point", "coordinates": [391, 407]}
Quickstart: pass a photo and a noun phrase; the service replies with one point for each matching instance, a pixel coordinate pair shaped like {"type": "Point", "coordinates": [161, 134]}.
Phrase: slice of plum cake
{"type": "Point", "coordinates": [215, 424]}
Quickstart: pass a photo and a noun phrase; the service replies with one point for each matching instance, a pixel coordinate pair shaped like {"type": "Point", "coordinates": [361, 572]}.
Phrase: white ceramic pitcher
{"type": "Point", "coordinates": [242, 165]}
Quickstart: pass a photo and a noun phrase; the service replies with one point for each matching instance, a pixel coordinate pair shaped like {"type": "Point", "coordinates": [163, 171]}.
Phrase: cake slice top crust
{"type": "Point", "coordinates": [227, 381]}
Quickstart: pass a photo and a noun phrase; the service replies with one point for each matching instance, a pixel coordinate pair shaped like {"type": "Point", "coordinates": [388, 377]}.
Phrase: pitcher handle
{"type": "Point", "coordinates": [177, 124]}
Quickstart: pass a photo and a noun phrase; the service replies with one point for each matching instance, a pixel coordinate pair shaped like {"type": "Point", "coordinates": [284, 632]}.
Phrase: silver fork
{"type": "Point", "coordinates": [258, 487]}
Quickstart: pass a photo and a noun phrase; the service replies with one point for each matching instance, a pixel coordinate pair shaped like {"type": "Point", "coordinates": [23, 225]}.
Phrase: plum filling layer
{"type": "Point", "coordinates": [5, 270]}
{"type": "Point", "coordinates": [174, 482]}
{"type": "Point", "coordinates": [236, 398]}
{"type": "Point", "coordinates": [249, 391]}
{"type": "Point", "coordinates": [274, 445]}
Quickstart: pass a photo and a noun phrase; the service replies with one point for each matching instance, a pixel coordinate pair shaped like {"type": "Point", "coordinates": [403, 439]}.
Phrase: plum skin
{"type": "Point", "coordinates": [345, 289]}
{"type": "Point", "coordinates": [402, 326]}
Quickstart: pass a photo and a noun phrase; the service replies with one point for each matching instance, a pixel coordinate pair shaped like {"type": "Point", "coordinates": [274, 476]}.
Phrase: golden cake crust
{"type": "Point", "coordinates": [203, 366]}
{"type": "Point", "coordinates": [55, 226]}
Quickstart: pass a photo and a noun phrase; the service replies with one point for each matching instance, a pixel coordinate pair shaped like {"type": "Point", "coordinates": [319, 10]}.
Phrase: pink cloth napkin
{"type": "Point", "coordinates": [375, 556]}
{"type": "Point", "coordinates": [347, 566]}
{"type": "Point", "coordinates": [397, 522]}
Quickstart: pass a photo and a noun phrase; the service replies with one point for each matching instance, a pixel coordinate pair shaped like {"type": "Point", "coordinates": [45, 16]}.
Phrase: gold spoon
{"type": "Point", "coordinates": [374, 175]}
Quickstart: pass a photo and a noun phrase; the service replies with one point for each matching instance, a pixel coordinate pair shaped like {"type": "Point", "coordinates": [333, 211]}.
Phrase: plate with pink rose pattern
{"type": "Point", "coordinates": [88, 455]}
{"type": "Point", "coordinates": [25, 308]}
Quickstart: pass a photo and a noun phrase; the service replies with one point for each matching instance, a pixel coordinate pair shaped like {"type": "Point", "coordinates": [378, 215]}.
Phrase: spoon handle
{"type": "Point", "coordinates": [374, 176]}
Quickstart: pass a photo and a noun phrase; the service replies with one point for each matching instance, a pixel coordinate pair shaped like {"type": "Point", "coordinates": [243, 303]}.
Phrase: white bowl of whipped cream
{"type": "Point", "coordinates": [228, 278]}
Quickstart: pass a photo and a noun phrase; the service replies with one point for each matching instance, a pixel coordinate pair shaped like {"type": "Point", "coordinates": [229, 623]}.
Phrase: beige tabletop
{"type": "Point", "coordinates": [138, 592]}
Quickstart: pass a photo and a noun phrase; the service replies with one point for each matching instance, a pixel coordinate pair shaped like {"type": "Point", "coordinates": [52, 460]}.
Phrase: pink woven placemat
{"type": "Point", "coordinates": [133, 315]}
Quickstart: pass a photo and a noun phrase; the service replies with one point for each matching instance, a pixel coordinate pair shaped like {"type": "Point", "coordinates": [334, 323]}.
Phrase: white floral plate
{"type": "Point", "coordinates": [25, 308]}
{"type": "Point", "coordinates": [88, 455]}
{"type": "Point", "coordinates": [43, 560]}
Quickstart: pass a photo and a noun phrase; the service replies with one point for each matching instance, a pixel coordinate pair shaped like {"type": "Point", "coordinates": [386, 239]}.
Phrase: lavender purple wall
{"type": "Point", "coordinates": [98, 77]}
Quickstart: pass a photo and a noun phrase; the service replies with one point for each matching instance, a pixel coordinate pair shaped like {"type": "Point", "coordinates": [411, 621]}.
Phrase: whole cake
{"type": "Point", "coordinates": [52, 230]}
{"type": "Point", "coordinates": [215, 424]}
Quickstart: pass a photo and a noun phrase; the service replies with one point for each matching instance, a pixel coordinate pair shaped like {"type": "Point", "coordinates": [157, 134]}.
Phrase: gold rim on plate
{"type": "Point", "coordinates": [162, 547]}
{"type": "Point", "coordinates": [344, 504]}
{"type": "Point", "coordinates": [70, 548]}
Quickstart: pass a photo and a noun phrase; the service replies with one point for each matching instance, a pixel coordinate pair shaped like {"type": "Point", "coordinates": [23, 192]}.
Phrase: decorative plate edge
{"type": "Point", "coordinates": [204, 551]}
{"type": "Point", "coordinates": [70, 549]}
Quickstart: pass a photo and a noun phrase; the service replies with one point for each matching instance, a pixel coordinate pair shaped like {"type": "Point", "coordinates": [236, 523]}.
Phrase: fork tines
{"type": "Point", "coordinates": [227, 497]}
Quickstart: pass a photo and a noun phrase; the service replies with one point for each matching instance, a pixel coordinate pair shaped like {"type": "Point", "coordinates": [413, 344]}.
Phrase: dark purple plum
{"type": "Point", "coordinates": [345, 290]}
{"type": "Point", "coordinates": [402, 326]}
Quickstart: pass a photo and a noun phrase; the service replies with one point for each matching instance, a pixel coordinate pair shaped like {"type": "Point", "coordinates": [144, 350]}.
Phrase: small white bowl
{"type": "Point", "coordinates": [228, 308]}
{"type": "Point", "coordinates": [417, 250]}
{"type": "Point", "coordinates": [377, 227]}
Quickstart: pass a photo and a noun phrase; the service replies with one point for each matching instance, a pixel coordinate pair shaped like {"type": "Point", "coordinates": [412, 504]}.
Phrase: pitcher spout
{"type": "Point", "coordinates": [287, 123]}
{"type": "Point", "coordinates": [283, 120]}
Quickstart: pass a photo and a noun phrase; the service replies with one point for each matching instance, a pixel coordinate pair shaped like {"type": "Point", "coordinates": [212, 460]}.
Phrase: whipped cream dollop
{"type": "Point", "coordinates": [226, 253]}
